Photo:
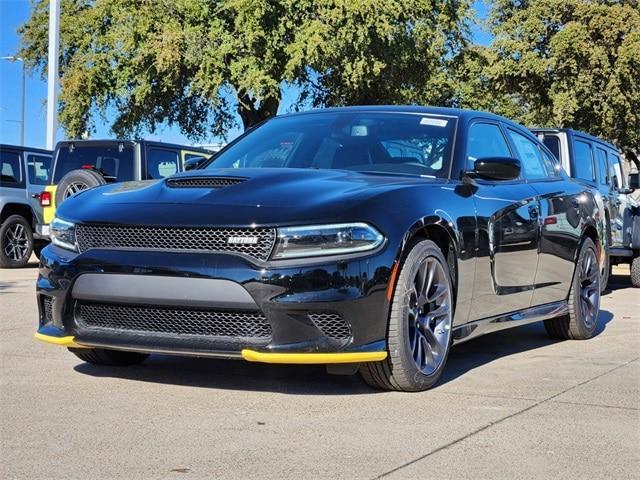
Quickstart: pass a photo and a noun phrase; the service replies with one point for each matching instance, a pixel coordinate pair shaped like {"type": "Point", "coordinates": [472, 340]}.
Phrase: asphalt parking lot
{"type": "Point", "coordinates": [515, 404]}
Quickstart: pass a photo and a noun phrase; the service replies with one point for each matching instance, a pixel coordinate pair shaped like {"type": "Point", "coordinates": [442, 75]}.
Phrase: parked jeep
{"type": "Point", "coordinates": [598, 163]}
{"type": "Point", "coordinates": [82, 164]}
{"type": "Point", "coordinates": [23, 173]}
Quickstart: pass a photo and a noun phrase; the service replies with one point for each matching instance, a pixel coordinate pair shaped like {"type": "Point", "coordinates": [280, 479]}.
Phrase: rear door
{"type": "Point", "coordinates": [507, 216]}
{"type": "Point", "coordinates": [617, 200]}
{"type": "Point", "coordinates": [38, 177]}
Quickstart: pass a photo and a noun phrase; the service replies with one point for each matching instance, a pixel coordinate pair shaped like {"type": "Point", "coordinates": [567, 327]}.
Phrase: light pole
{"type": "Point", "coordinates": [13, 58]}
{"type": "Point", "coordinates": [52, 77]}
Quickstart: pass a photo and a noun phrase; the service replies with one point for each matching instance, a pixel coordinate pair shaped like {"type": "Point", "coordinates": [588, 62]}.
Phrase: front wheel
{"type": "Point", "coordinates": [635, 270]}
{"type": "Point", "coordinates": [16, 242]}
{"type": "Point", "coordinates": [584, 299]}
{"type": "Point", "coordinates": [419, 331]}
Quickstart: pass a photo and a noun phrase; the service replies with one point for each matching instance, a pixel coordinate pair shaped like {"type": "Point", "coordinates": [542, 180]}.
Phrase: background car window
{"type": "Point", "coordinates": [583, 161]}
{"type": "Point", "coordinates": [485, 140]}
{"type": "Point", "coordinates": [533, 164]}
{"type": "Point", "coordinates": [161, 163]}
{"type": "Point", "coordinates": [553, 143]}
{"type": "Point", "coordinates": [10, 171]}
{"type": "Point", "coordinates": [114, 160]}
{"type": "Point", "coordinates": [359, 141]}
{"type": "Point", "coordinates": [603, 167]}
{"type": "Point", "coordinates": [39, 168]}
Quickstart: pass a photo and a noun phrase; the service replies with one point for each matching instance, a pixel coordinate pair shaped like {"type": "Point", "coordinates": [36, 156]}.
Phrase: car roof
{"type": "Point", "coordinates": [457, 112]}
{"type": "Point", "coordinates": [23, 148]}
{"type": "Point", "coordinates": [133, 142]}
{"type": "Point", "coordinates": [577, 133]}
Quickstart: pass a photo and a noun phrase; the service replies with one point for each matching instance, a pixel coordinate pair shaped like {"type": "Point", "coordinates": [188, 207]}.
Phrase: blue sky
{"type": "Point", "coordinates": [14, 13]}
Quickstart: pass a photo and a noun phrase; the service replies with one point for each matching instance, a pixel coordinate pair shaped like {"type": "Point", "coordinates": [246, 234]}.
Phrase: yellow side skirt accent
{"type": "Point", "coordinates": [312, 358]}
{"type": "Point", "coordinates": [63, 341]}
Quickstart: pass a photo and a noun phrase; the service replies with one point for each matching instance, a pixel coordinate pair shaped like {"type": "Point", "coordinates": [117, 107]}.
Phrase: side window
{"type": "Point", "coordinates": [553, 144]}
{"type": "Point", "coordinates": [551, 163]}
{"type": "Point", "coordinates": [485, 140]}
{"type": "Point", "coordinates": [39, 168]}
{"type": "Point", "coordinates": [10, 169]}
{"type": "Point", "coordinates": [583, 161]}
{"type": "Point", "coordinates": [603, 167]}
{"type": "Point", "coordinates": [533, 164]}
{"type": "Point", "coordinates": [615, 171]}
{"type": "Point", "coordinates": [161, 163]}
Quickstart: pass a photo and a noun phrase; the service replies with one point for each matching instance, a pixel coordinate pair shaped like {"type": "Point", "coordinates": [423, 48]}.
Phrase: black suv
{"type": "Point", "coordinates": [598, 163]}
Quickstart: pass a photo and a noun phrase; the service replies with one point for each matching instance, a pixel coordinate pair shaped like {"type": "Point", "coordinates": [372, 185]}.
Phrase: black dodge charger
{"type": "Point", "coordinates": [364, 238]}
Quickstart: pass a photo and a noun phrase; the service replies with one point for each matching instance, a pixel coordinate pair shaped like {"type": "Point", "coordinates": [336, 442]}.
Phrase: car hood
{"type": "Point", "coordinates": [266, 197]}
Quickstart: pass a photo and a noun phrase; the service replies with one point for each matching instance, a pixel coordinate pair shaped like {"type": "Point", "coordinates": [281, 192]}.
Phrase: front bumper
{"type": "Point", "coordinates": [175, 302]}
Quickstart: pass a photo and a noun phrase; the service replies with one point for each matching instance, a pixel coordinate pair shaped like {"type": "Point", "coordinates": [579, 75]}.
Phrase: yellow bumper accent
{"type": "Point", "coordinates": [313, 358]}
{"type": "Point", "coordinates": [63, 341]}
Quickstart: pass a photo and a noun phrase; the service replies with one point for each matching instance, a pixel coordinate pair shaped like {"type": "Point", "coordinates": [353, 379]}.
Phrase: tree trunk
{"type": "Point", "coordinates": [252, 115]}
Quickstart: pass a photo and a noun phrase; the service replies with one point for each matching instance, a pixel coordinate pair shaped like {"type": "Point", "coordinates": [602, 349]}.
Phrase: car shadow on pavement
{"type": "Point", "coordinates": [483, 350]}
{"type": "Point", "coordinates": [313, 379]}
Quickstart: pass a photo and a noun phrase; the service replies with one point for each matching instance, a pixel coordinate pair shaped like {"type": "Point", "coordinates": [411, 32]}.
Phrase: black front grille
{"type": "Point", "coordinates": [332, 325]}
{"type": "Point", "coordinates": [254, 242]}
{"type": "Point", "coordinates": [204, 182]}
{"type": "Point", "coordinates": [173, 320]}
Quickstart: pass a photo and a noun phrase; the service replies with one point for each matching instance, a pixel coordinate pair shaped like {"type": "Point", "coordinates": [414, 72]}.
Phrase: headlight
{"type": "Point", "coordinates": [339, 239]}
{"type": "Point", "coordinates": [63, 234]}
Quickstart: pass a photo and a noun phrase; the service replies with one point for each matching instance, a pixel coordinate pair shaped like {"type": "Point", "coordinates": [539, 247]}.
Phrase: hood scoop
{"type": "Point", "coordinates": [203, 182]}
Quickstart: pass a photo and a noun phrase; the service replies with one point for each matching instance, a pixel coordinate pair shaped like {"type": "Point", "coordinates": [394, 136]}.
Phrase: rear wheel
{"type": "Point", "coordinates": [635, 270]}
{"type": "Point", "coordinates": [16, 242]}
{"type": "Point", "coordinates": [102, 356]}
{"type": "Point", "coordinates": [584, 299]}
{"type": "Point", "coordinates": [419, 332]}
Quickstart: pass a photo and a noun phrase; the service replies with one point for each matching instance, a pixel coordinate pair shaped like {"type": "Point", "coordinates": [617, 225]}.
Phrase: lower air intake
{"type": "Point", "coordinates": [173, 320]}
{"type": "Point", "coordinates": [332, 325]}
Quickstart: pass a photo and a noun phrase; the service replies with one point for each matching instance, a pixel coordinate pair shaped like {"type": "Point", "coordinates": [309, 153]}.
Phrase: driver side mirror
{"type": "Point", "coordinates": [194, 163]}
{"type": "Point", "coordinates": [634, 181]}
{"type": "Point", "coordinates": [496, 168]}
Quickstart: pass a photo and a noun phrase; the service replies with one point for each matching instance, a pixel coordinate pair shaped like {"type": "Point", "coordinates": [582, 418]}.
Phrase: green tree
{"type": "Point", "coordinates": [570, 63]}
{"type": "Point", "coordinates": [194, 63]}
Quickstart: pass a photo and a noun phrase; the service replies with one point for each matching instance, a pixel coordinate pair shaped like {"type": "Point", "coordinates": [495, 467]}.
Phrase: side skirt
{"type": "Point", "coordinates": [515, 319]}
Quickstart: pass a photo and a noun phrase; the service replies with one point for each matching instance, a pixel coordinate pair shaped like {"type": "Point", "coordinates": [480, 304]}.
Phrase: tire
{"type": "Point", "coordinates": [16, 242]}
{"type": "Point", "coordinates": [581, 321]}
{"type": "Point", "coordinates": [75, 181]}
{"type": "Point", "coordinates": [421, 327]}
{"type": "Point", "coordinates": [101, 356]}
{"type": "Point", "coordinates": [635, 270]}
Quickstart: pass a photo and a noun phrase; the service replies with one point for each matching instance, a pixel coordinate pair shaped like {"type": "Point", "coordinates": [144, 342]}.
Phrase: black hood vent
{"type": "Point", "coordinates": [203, 182]}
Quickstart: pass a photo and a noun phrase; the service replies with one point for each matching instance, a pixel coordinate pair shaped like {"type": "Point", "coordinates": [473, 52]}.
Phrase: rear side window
{"type": "Point", "coordinates": [603, 167]}
{"type": "Point", "coordinates": [533, 164]}
{"type": "Point", "coordinates": [553, 144]}
{"type": "Point", "coordinates": [10, 168]}
{"type": "Point", "coordinates": [161, 163]}
{"type": "Point", "coordinates": [485, 140]}
{"type": "Point", "coordinates": [39, 168]}
{"type": "Point", "coordinates": [112, 160]}
{"type": "Point", "coordinates": [583, 161]}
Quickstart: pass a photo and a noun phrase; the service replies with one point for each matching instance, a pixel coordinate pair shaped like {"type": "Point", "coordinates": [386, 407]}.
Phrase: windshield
{"type": "Point", "coordinates": [112, 160]}
{"type": "Point", "coordinates": [400, 143]}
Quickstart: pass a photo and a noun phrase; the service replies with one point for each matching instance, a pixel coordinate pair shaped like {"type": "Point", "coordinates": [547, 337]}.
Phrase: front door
{"type": "Point", "coordinates": [508, 231]}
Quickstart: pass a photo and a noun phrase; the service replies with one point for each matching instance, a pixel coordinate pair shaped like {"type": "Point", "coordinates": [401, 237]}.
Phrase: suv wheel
{"type": "Point", "coordinates": [16, 242]}
{"type": "Point", "coordinates": [419, 332]}
{"type": "Point", "coordinates": [584, 299]}
{"type": "Point", "coordinates": [635, 270]}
